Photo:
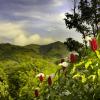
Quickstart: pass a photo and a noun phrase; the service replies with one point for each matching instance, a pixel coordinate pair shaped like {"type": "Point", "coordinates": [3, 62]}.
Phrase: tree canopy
{"type": "Point", "coordinates": [85, 17]}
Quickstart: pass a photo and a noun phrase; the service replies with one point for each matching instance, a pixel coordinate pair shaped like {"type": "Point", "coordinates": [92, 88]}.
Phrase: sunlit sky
{"type": "Point", "coordinates": [24, 22]}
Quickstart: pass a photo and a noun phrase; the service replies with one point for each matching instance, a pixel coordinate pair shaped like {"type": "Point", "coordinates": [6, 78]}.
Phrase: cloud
{"type": "Point", "coordinates": [16, 35]}
{"type": "Point", "coordinates": [22, 40]}
{"type": "Point", "coordinates": [34, 21]}
{"type": "Point", "coordinates": [37, 39]}
{"type": "Point", "coordinates": [57, 3]}
{"type": "Point", "coordinates": [51, 25]}
{"type": "Point", "coordinates": [10, 30]}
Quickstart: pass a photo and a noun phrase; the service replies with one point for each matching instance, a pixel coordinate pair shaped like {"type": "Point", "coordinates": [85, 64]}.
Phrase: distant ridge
{"type": "Point", "coordinates": [56, 49]}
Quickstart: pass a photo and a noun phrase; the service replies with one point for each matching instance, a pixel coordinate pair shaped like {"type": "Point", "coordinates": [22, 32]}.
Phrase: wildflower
{"type": "Point", "coordinates": [36, 92]}
{"type": "Point", "coordinates": [93, 44]}
{"type": "Point", "coordinates": [73, 57]}
{"type": "Point", "coordinates": [40, 76]}
{"type": "Point", "coordinates": [49, 81]}
{"type": "Point", "coordinates": [64, 65]}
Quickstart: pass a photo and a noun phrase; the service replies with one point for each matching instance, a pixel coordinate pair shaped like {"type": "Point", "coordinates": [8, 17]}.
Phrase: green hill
{"type": "Point", "coordinates": [56, 49]}
{"type": "Point", "coordinates": [39, 56]}
{"type": "Point", "coordinates": [24, 59]}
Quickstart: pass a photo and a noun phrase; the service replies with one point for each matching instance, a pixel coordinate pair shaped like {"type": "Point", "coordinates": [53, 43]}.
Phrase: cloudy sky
{"type": "Point", "coordinates": [25, 22]}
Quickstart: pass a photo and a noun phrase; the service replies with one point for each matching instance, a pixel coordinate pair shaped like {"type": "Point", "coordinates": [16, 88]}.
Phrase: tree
{"type": "Point", "coordinates": [74, 21]}
{"type": "Point", "coordinates": [89, 14]}
{"type": "Point", "coordinates": [72, 45]}
{"type": "Point", "coordinates": [85, 17]}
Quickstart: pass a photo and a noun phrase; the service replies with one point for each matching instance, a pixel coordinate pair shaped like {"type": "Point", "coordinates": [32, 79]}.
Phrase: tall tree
{"type": "Point", "coordinates": [96, 12]}
{"type": "Point", "coordinates": [74, 21]}
{"type": "Point", "coordinates": [86, 18]}
{"type": "Point", "coordinates": [90, 14]}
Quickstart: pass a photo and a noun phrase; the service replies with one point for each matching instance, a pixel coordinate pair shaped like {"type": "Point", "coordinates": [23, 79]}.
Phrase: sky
{"type": "Point", "coordinates": [24, 22]}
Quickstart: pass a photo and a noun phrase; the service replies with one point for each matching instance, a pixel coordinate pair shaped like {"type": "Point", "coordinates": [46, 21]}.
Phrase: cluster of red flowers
{"type": "Point", "coordinates": [41, 77]}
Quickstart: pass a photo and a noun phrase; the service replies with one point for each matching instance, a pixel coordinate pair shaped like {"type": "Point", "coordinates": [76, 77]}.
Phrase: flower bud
{"type": "Point", "coordinates": [93, 44]}
{"type": "Point", "coordinates": [73, 58]}
{"type": "Point", "coordinates": [49, 81]}
{"type": "Point", "coordinates": [36, 93]}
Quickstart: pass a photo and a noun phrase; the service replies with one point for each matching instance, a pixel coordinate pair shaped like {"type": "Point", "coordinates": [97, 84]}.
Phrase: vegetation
{"type": "Point", "coordinates": [20, 65]}
{"type": "Point", "coordinates": [20, 78]}
{"type": "Point", "coordinates": [33, 72]}
{"type": "Point", "coordinates": [73, 45]}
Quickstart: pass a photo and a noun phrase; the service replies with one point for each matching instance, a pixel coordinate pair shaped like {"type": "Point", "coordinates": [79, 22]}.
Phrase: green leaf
{"type": "Point", "coordinates": [88, 64]}
{"type": "Point", "coordinates": [98, 54]}
{"type": "Point", "coordinates": [77, 75]}
{"type": "Point", "coordinates": [73, 70]}
{"type": "Point", "coordinates": [93, 77]}
{"type": "Point", "coordinates": [79, 64]}
{"type": "Point", "coordinates": [83, 78]}
{"type": "Point", "coordinates": [98, 72]}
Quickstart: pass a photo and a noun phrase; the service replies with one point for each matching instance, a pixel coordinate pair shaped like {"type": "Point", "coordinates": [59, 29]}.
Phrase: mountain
{"type": "Point", "coordinates": [56, 49]}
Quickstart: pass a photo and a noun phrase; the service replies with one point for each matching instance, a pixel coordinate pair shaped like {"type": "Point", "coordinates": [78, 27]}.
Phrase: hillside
{"type": "Point", "coordinates": [56, 49]}
{"type": "Point", "coordinates": [19, 65]}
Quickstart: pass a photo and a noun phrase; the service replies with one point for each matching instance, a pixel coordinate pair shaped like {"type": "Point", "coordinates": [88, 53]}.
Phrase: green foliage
{"type": "Point", "coordinates": [75, 21]}
{"type": "Point", "coordinates": [73, 45]}
{"type": "Point", "coordinates": [3, 85]}
{"type": "Point", "coordinates": [18, 80]}
{"type": "Point", "coordinates": [80, 81]}
{"type": "Point", "coordinates": [18, 69]}
{"type": "Point", "coordinates": [57, 49]}
{"type": "Point", "coordinates": [85, 17]}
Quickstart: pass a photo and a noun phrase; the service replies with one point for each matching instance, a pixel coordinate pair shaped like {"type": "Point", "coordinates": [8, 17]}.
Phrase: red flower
{"type": "Point", "coordinates": [36, 93]}
{"type": "Point", "coordinates": [93, 44]}
{"type": "Point", "coordinates": [73, 58]}
{"type": "Point", "coordinates": [40, 76]}
{"type": "Point", "coordinates": [49, 81]}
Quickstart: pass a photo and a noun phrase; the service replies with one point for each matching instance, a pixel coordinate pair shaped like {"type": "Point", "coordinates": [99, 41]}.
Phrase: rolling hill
{"type": "Point", "coordinates": [39, 58]}
{"type": "Point", "coordinates": [56, 49]}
